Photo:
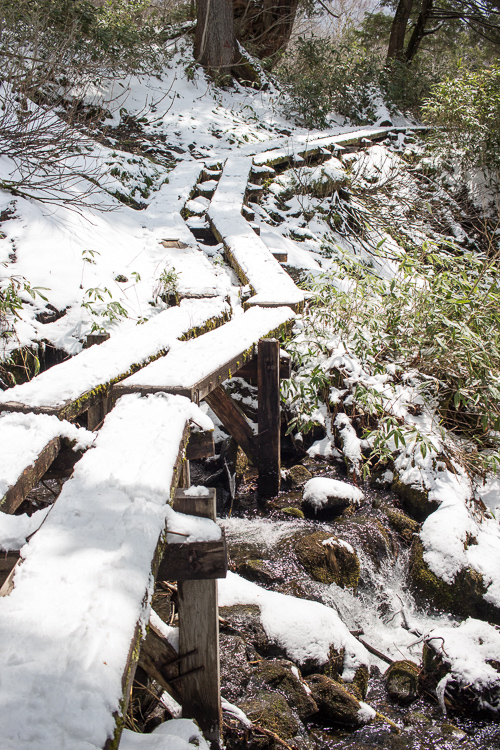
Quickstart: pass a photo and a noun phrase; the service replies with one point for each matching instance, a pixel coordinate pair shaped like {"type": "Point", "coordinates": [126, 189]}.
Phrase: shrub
{"type": "Point", "coordinates": [467, 107]}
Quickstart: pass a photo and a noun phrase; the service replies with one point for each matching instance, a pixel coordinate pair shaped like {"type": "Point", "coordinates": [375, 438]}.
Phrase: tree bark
{"type": "Point", "coordinates": [265, 26]}
{"type": "Point", "coordinates": [398, 30]}
{"type": "Point", "coordinates": [419, 30]}
{"type": "Point", "coordinates": [215, 44]}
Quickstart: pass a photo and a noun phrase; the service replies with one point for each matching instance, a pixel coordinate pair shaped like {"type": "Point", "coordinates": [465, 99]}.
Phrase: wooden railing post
{"type": "Point", "coordinates": [269, 418]}
{"type": "Point", "coordinates": [199, 638]}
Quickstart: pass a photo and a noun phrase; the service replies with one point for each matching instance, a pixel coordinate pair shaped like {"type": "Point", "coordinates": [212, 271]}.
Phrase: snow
{"type": "Point", "coordinates": [366, 713]}
{"type": "Point", "coordinates": [230, 708]}
{"type": "Point", "coordinates": [190, 362]}
{"type": "Point", "coordinates": [182, 528]}
{"type": "Point", "coordinates": [24, 436]}
{"type": "Point", "coordinates": [67, 626]}
{"type": "Point", "coordinates": [14, 530]}
{"type": "Point", "coordinates": [319, 490]}
{"type": "Point", "coordinates": [469, 648]}
{"type": "Point", "coordinates": [177, 734]}
{"type": "Point", "coordinates": [333, 542]}
{"type": "Point", "coordinates": [111, 360]}
{"type": "Point", "coordinates": [305, 629]}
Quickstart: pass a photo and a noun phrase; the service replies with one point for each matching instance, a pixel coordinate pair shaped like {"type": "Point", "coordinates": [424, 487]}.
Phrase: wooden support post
{"type": "Point", "coordinates": [269, 418]}
{"type": "Point", "coordinates": [234, 421]}
{"type": "Point", "coordinates": [199, 634]}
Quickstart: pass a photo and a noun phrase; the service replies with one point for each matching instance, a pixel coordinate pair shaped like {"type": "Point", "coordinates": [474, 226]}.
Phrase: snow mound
{"type": "Point", "coordinates": [318, 491]}
{"type": "Point", "coordinates": [177, 734]}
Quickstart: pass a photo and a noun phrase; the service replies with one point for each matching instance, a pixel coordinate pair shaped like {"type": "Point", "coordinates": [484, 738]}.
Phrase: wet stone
{"type": "Point", "coordinates": [284, 677]}
{"type": "Point", "coordinates": [336, 705]}
{"type": "Point", "coordinates": [402, 681]}
{"type": "Point", "coordinates": [271, 711]}
{"type": "Point", "coordinates": [328, 559]}
{"type": "Point", "coordinates": [235, 669]}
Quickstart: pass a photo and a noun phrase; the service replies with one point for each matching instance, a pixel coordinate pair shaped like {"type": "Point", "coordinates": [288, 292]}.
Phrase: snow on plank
{"type": "Point", "coordinates": [196, 276]}
{"type": "Point", "coordinates": [70, 628]}
{"type": "Point", "coordinates": [70, 388]}
{"type": "Point", "coordinates": [248, 255]}
{"type": "Point", "coordinates": [301, 148]}
{"type": "Point", "coordinates": [28, 445]}
{"type": "Point", "coordinates": [194, 368]}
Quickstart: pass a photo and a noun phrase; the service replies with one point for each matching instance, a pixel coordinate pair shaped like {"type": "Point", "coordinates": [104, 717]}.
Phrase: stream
{"type": "Point", "coordinates": [382, 610]}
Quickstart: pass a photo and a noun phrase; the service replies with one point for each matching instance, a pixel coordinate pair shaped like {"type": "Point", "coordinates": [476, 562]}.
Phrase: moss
{"type": "Point", "coordinates": [328, 563]}
{"type": "Point", "coordinates": [359, 685]}
{"type": "Point", "coordinates": [336, 705]}
{"type": "Point", "coordinates": [271, 711]}
{"type": "Point", "coordinates": [405, 526]}
{"type": "Point", "coordinates": [415, 500]}
{"type": "Point", "coordinates": [294, 512]}
{"type": "Point", "coordinates": [278, 675]}
{"type": "Point", "coordinates": [402, 681]}
{"type": "Point", "coordinates": [463, 597]}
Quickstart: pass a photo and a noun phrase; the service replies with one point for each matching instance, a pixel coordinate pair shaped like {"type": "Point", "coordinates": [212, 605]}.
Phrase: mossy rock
{"type": "Point", "coordinates": [298, 475]}
{"type": "Point", "coordinates": [335, 704]}
{"type": "Point", "coordinates": [463, 597]}
{"type": "Point", "coordinates": [244, 620]}
{"type": "Point", "coordinates": [258, 570]}
{"type": "Point", "coordinates": [459, 698]}
{"type": "Point", "coordinates": [283, 676]}
{"type": "Point", "coordinates": [368, 534]}
{"type": "Point", "coordinates": [405, 526]}
{"type": "Point", "coordinates": [293, 512]}
{"type": "Point", "coordinates": [401, 680]}
{"type": "Point", "coordinates": [415, 500]}
{"type": "Point", "coordinates": [271, 711]}
{"type": "Point", "coordinates": [328, 559]}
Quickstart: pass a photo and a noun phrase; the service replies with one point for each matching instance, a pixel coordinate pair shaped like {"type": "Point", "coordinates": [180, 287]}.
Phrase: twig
{"type": "Point", "coordinates": [272, 734]}
{"type": "Point", "coordinates": [375, 652]}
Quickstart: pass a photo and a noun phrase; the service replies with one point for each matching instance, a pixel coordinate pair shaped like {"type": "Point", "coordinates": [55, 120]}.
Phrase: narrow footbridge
{"type": "Point", "coordinates": [75, 606]}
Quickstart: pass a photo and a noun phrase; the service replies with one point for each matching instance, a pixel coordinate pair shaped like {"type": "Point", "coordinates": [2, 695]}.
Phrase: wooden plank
{"type": "Point", "coordinates": [249, 370]}
{"type": "Point", "coordinates": [30, 476]}
{"type": "Point", "coordinates": [194, 561]}
{"type": "Point", "coordinates": [161, 661]}
{"type": "Point", "coordinates": [199, 390]}
{"type": "Point", "coordinates": [201, 444]}
{"type": "Point", "coordinates": [196, 505]}
{"type": "Point", "coordinates": [7, 563]}
{"type": "Point", "coordinates": [269, 418]}
{"type": "Point", "coordinates": [198, 603]}
{"type": "Point", "coordinates": [234, 421]}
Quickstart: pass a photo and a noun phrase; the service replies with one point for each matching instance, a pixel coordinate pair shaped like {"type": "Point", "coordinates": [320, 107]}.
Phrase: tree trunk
{"type": "Point", "coordinates": [398, 30]}
{"type": "Point", "coordinates": [215, 44]}
{"type": "Point", "coordinates": [419, 30]}
{"type": "Point", "coordinates": [265, 26]}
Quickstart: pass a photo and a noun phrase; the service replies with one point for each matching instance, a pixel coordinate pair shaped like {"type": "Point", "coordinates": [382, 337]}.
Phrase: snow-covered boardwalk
{"type": "Point", "coordinates": [75, 609]}
{"type": "Point", "coordinates": [254, 263]}
{"type": "Point", "coordinates": [69, 388]}
{"type": "Point", "coordinates": [70, 628]}
{"type": "Point", "coordinates": [195, 368]}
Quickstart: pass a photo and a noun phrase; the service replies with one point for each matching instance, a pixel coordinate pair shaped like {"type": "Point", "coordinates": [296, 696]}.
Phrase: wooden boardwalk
{"type": "Point", "coordinates": [128, 514]}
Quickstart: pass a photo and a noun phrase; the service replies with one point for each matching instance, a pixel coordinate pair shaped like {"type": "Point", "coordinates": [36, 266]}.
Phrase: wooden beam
{"type": "Point", "coordinates": [14, 496]}
{"type": "Point", "coordinates": [269, 418]}
{"type": "Point", "coordinates": [234, 421]}
{"type": "Point", "coordinates": [7, 562]}
{"type": "Point", "coordinates": [203, 506]}
{"type": "Point", "coordinates": [199, 642]}
{"type": "Point", "coordinates": [201, 444]}
{"type": "Point", "coordinates": [194, 561]}
{"type": "Point", "coordinates": [161, 661]}
{"type": "Point", "coordinates": [249, 370]}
